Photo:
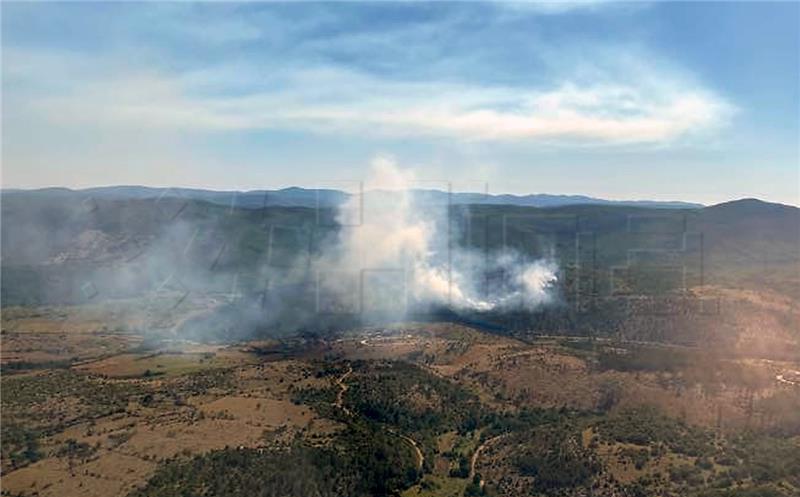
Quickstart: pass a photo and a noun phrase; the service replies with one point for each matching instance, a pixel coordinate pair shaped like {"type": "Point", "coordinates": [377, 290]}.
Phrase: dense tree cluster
{"type": "Point", "coordinates": [554, 456]}
{"type": "Point", "coordinates": [414, 400]}
{"type": "Point", "coordinates": [646, 426]}
{"type": "Point", "coordinates": [20, 445]}
{"type": "Point", "coordinates": [364, 462]}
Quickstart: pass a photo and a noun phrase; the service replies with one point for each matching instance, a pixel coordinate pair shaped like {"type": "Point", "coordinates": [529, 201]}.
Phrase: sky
{"type": "Point", "coordinates": [685, 101]}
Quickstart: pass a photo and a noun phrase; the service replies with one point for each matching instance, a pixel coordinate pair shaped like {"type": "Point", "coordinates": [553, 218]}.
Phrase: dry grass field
{"type": "Point", "coordinates": [87, 410]}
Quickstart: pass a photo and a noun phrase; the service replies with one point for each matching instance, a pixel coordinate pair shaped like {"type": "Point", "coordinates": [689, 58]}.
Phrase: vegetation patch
{"type": "Point", "coordinates": [363, 462]}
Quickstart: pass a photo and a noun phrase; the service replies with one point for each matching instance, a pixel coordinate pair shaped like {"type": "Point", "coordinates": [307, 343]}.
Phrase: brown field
{"type": "Point", "coordinates": [190, 398]}
{"type": "Point", "coordinates": [248, 405]}
{"type": "Point", "coordinates": [74, 334]}
{"type": "Point", "coordinates": [137, 365]}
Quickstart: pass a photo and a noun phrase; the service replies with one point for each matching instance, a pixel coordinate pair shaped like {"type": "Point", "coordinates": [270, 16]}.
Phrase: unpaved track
{"type": "Point", "coordinates": [413, 444]}
{"type": "Point", "coordinates": [477, 454]}
{"type": "Point", "coordinates": [342, 389]}
{"type": "Point", "coordinates": [340, 382]}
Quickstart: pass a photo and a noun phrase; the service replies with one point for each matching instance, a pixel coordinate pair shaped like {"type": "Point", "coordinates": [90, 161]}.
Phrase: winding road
{"type": "Point", "coordinates": [413, 444]}
{"type": "Point", "coordinates": [340, 382]}
{"type": "Point", "coordinates": [477, 454]}
{"type": "Point", "coordinates": [342, 389]}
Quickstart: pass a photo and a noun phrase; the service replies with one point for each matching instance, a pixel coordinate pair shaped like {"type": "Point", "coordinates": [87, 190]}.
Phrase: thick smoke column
{"type": "Point", "coordinates": [206, 273]}
{"type": "Point", "coordinates": [403, 235]}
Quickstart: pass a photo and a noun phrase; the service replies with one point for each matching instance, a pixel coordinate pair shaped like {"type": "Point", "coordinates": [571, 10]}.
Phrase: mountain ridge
{"type": "Point", "coordinates": [312, 197]}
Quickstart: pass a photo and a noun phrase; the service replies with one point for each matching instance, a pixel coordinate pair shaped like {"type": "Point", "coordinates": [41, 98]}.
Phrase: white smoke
{"type": "Point", "coordinates": [394, 253]}
{"type": "Point", "coordinates": [410, 242]}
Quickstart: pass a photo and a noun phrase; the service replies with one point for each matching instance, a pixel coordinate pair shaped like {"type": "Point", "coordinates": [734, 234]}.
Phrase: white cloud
{"type": "Point", "coordinates": [594, 94]}
{"type": "Point", "coordinates": [332, 100]}
{"type": "Point", "coordinates": [598, 94]}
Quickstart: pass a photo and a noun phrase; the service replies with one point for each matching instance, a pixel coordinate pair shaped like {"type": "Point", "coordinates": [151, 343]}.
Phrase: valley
{"type": "Point", "coordinates": [181, 344]}
{"type": "Point", "coordinates": [463, 411]}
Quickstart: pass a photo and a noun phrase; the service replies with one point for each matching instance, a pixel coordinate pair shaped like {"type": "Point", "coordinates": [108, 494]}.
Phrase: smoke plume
{"type": "Point", "coordinates": [405, 245]}
{"type": "Point", "coordinates": [204, 271]}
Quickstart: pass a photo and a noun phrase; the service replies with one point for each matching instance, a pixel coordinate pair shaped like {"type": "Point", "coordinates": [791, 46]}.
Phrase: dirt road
{"type": "Point", "coordinates": [477, 454]}
{"type": "Point", "coordinates": [340, 382]}
{"type": "Point", "coordinates": [417, 451]}
{"type": "Point", "coordinates": [342, 389]}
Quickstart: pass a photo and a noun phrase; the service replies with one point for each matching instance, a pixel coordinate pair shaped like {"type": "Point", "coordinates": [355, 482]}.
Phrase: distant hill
{"type": "Point", "coordinates": [54, 240]}
{"type": "Point", "coordinates": [304, 197]}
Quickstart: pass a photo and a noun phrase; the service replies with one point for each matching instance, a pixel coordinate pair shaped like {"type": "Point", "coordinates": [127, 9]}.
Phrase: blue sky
{"type": "Point", "coordinates": [692, 101]}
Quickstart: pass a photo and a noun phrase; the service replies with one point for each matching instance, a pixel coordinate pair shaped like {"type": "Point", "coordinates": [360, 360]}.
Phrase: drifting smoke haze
{"type": "Point", "coordinates": [407, 244]}
{"type": "Point", "coordinates": [207, 272]}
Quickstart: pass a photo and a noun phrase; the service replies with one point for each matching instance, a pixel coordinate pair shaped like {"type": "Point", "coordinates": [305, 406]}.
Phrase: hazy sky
{"type": "Point", "coordinates": [690, 101]}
